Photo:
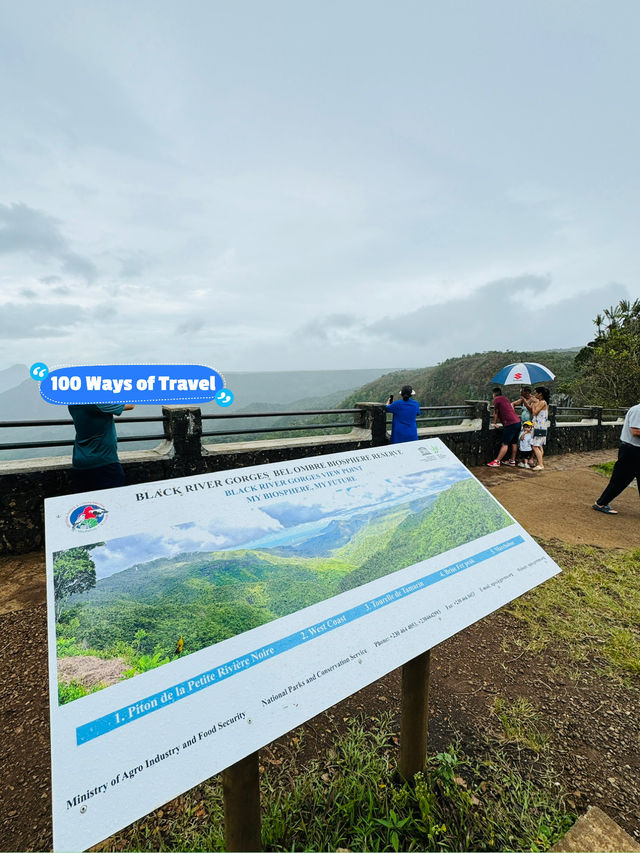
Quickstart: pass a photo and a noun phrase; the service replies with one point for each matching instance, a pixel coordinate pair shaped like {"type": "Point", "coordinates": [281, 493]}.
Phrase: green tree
{"type": "Point", "coordinates": [73, 571]}
{"type": "Point", "coordinates": [608, 368]}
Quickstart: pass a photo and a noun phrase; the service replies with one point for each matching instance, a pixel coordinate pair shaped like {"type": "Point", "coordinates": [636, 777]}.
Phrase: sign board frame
{"type": "Point", "coordinates": [122, 751]}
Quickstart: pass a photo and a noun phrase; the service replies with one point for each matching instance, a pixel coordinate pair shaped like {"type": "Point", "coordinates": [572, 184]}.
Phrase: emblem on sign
{"type": "Point", "coordinates": [86, 517]}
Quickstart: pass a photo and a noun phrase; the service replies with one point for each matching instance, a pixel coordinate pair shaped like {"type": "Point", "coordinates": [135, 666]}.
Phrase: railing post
{"type": "Point", "coordinates": [374, 417]}
{"type": "Point", "coordinates": [481, 413]}
{"type": "Point", "coordinates": [597, 413]}
{"type": "Point", "coordinates": [183, 428]}
{"type": "Point", "coordinates": [553, 441]}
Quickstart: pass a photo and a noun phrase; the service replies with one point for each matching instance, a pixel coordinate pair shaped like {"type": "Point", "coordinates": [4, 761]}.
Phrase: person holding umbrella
{"type": "Point", "coordinates": [525, 397]}
{"type": "Point", "coordinates": [530, 372]}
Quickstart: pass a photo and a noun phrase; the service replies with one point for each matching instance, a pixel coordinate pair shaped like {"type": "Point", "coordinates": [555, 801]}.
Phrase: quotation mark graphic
{"type": "Point", "coordinates": [39, 371]}
{"type": "Point", "coordinates": [224, 397]}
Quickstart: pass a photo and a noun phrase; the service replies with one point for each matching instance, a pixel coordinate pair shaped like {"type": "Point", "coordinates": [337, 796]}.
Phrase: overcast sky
{"type": "Point", "coordinates": [277, 185]}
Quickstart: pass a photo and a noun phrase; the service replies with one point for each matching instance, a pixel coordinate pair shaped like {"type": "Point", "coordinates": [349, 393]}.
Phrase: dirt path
{"type": "Point", "coordinates": [556, 503]}
{"type": "Point", "coordinates": [23, 582]}
{"type": "Point", "coordinates": [592, 723]}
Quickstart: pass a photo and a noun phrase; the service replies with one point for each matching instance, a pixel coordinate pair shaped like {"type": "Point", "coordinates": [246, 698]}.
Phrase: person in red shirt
{"type": "Point", "coordinates": [504, 412]}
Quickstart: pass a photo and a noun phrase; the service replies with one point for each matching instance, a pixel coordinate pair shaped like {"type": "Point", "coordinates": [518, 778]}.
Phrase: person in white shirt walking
{"type": "Point", "coordinates": [628, 465]}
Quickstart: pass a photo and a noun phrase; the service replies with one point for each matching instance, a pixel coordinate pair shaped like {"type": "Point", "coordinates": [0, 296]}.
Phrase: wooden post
{"type": "Point", "coordinates": [415, 716]}
{"type": "Point", "coordinates": [241, 795]}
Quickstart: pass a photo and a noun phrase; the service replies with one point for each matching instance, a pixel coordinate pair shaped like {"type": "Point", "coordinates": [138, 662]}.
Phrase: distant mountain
{"type": "Point", "coordinates": [12, 376]}
{"type": "Point", "coordinates": [23, 402]}
{"type": "Point", "coordinates": [285, 387]}
{"type": "Point", "coordinates": [467, 377]}
{"type": "Point", "coordinates": [278, 392]}
{"type": "Point", "coordinates": [20, 395]}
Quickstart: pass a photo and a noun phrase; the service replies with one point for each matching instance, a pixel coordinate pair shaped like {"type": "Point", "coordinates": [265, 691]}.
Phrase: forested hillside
{"type": "Point", "coordinates": [462, 513]}
{"type": "Point", "coordinates": [465, 378]}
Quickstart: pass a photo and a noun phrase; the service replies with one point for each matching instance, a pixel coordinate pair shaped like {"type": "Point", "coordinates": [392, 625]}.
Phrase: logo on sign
{"type": "Point", "coordinates": [86, 517]}
{"type": "Point", "coordinates": [429, 452]}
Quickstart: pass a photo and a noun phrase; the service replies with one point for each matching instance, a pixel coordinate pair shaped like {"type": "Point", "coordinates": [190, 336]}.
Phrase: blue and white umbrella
{"type": "Point", "coordinates": [523, 373]}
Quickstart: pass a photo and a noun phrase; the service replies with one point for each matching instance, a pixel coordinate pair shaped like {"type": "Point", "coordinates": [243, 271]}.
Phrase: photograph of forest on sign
{"type": "Point", "coordinates": [134, 603]}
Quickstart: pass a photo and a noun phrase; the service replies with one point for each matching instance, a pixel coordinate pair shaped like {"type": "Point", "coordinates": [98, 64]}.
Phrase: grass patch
{"type": "Point", "coordinates": [347, 799]}
{"type": "Point", "coordinates": [74, 690]}
{"type": "Point", "coordinates": [591, 609]}
{"type": "Point", "coordinates": [606, 468]}
{"type": "Point", "coordinates": [519, 721]}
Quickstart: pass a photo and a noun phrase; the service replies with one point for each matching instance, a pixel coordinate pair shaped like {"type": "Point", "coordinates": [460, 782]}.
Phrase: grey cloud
{"type": "Point", "coordinates": [133, 265]}
{"type": "Point", "coordinates": [104, 311]}
{"type": "Point", "coordinates": [502, 314]}
{"type": "Point", "coordinates": [27, 230]}
{"type": "Point", "coordinates": [190, 326]}
{"type": "Point", "coordinates": [78, 266]}
{"type": "Point", "coordinates": [24, 230]}
{"type": "Point", "coordinates": [322, 328]}
{"type": "Point", "coordinates": [38, 320]}
{"type": "Point", "coordinates": [50, 279]}
{"type": "Point", "coordinates": [27, 293]}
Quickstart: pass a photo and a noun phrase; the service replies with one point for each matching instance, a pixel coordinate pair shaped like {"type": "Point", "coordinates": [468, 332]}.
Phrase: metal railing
{"type": "Point", "coordinates": [65, 442]}
{"type": "Point", "coordinates": [462, 413]}
{"type": "Point", "coordinates": [575, 414]}
{"type": "Point", "coordinates": [431, 416]}
{"type": "Point", "coordinates": [279, 429]}
{"type": "Point", "coordinates": [159, 436]}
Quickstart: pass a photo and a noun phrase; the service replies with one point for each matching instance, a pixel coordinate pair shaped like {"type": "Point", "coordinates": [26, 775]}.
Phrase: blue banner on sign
{"type": "Point", "coordinates": [131, 383]}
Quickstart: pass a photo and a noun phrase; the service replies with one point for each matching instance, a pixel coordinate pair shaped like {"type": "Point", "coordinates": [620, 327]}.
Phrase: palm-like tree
{"type": "Point", "coordinates": [598, 323]}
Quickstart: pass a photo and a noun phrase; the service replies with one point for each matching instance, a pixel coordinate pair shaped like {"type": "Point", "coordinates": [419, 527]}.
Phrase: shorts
{"type": "Point", "coordinates": [511, 433]}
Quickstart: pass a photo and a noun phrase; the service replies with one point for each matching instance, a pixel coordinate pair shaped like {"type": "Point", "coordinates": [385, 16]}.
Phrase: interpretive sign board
{"type": "Point", "coordinates": [222, 610]}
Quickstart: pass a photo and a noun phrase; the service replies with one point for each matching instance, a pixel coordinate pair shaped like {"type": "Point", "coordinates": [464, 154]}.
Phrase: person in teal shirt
{"type": "Point", "coordinates": [95, 450]}
{"type": "Point", "coordinates": [405, 413]}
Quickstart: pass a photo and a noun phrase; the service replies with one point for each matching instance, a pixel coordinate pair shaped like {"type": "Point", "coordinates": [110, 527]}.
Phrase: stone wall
{"type": "Point", "coordinates": [24, 484]}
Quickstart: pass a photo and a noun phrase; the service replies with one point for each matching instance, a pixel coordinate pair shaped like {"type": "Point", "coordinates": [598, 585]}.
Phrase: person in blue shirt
{"type": "Point", "coordinates": [405, 412]}
{"type": "Point", "coordinates": [95, 450]}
